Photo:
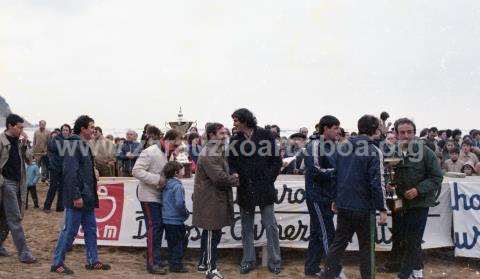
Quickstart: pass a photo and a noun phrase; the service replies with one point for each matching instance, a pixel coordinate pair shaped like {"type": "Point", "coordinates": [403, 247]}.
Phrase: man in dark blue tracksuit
{"type": "Point", "coordinates": [359, 194]}
{"type": "Point", "coordinates": [320, 191]}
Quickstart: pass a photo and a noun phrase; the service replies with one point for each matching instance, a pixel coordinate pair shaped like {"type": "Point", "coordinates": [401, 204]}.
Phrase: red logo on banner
{"type": "Point", "coordinates": [110, 211]}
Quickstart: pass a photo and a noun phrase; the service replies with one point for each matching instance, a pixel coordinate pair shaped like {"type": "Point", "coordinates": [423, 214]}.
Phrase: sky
{"type": "Point", "coordinates": [127, 63]}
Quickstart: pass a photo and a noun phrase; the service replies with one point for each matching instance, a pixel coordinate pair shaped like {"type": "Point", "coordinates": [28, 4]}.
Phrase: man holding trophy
{"type": "Point", "coordinates": [417, 181]}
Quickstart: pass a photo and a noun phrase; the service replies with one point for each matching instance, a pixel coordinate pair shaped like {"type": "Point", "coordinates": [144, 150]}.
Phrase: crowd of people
{"type": "Point", "coordinates": [343, 175]}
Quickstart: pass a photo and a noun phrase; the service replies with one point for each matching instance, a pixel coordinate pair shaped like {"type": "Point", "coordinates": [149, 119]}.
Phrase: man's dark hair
{"type": "Point", "coordinates": [98, 129]}
{"type": "Point", "coordinates": [328, 121]}
{"type": "Point", "coordinates": [172, 134]}
{"type": "Point", "coordinates": [66, 125]}
{"type": "Point", "coordinates": [403, 121]}
{"type": "Point", "coordinates": [384, 115]}
{"type": "Point", "coordinates": [192, 137]}
{"type": "Point", "coordinates": [424, 132]}
{"type": "Point", "coordinates": [455, 150]}
{"type": "Point", "coordinates": [449, 133]}
{"type": "Point", "coordinates": [213, 128]}
{"type": "Point", "coordinates": [433, 129]}
{"type": "Point", "coordinates": [474, 133]}
{"type": "Point", "coordinates": [13, 120]}
{"type": "Point", "coordinates": [82, 122]}
{"type": "Point", "coordinates": [276, 127]}
{"type": "Point", "coordinates": [456, 132]}
{"type": "Point", "coordinates": [171, 169]}
{"type": "Point", "coordinates": [368, 125]}
{"type": "Point", "coordinates": [246, 117]}
{"type": "Point", "coordinates": [153, 130]}
{"type": "Point", "coordinates": [467, 142]}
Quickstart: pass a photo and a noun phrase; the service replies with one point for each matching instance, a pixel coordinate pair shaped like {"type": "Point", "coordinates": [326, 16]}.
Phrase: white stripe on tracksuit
{"type": "Point", "coordinates": [209, 251]}
{"type": "Point", "coordinates": [322, 227]}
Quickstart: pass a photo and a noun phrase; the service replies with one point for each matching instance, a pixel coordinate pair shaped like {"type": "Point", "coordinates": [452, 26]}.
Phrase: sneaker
{"type": "Point", "coordinates": [201, 268]}
{"type": "Point", "coordinates": [417, 274]}
{"type": "Point", "coordinates": [98, 266]}
{"type": "Point", "coordinates": [159, 270]}
{"type": "Point", "coordinates": [4, 252]}
{"type": "Point", "coordinates": [247, 268]}
{"type": "Point", "coordinates": [214, 274]}
{"type": "Point", "coordinates": [275, 270]}
{"type": "Point", "coordinates": [61, 269]}
{"type": "Point", "coordinates": [28, 258]}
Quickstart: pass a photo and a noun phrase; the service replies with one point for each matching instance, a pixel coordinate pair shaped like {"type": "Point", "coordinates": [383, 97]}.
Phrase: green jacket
{"type": "Point", "coordinates": [420, 169]}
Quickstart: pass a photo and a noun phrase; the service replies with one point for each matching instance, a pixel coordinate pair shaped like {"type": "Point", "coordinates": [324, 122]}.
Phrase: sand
{"type": "Point", "coordinates": [42, 232]}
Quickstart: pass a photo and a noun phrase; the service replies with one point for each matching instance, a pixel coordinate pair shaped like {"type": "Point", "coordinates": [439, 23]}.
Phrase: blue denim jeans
{"type": "Point", "coordinates": [73, 219]}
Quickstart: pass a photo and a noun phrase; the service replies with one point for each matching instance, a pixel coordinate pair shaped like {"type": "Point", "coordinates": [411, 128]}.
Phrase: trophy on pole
{"type": "Point", "coordinates": [182, 126]}
{"type": "Point", "coordinates": [394, 203]}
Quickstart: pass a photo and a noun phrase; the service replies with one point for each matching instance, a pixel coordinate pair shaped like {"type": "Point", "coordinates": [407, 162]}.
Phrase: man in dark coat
{"type": "Point", "coordinates": [55, 154]}
{"type": "Point", "coordinates": [213, 198]}
{"type": "Point", "coordinates": [255, 157]}
{"type": "Point", "coordinates": [80, 198]}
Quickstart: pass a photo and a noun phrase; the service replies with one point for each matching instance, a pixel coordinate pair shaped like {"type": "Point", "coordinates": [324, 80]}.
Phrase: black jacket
{"type": "Point", "coordinates": [79, 174]}
{"type": "Point", "coordinates": [55, 154]}
{"type": "Point", "coordinates": [257, 161]}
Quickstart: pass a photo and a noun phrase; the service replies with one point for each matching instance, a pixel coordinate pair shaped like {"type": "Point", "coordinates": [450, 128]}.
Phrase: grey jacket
{"type": "Point", "coordinates": [5, 146]}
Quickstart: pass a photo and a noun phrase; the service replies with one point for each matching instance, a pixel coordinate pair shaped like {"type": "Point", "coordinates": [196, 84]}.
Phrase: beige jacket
{"type": "Point", "coordinates": [147, 170]}
{"type": "Point", "coordinates": [40, 141]}
{"type": "Point", "coordinates": [5, 146]}
{"type": "Point", "coordinates": [103, 150]}
{"type": "Point", "coordinates": [470, 157]}
{"type": "Point", "coordinates": [450, 166]}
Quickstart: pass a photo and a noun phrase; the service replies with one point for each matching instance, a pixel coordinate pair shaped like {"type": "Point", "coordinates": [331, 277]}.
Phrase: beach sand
{"type": "Point", "coordinates": [42, 233]}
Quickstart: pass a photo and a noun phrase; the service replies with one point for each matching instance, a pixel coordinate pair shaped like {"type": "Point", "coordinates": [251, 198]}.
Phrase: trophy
{"type": "Point", "coordinates": [394, 203]}
{"type": "Point", "coordinates": [182, 126]}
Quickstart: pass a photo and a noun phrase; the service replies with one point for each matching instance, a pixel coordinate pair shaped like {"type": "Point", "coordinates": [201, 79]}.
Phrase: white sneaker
{"type": "Point", "coordinates": [214, 274]}
{"type": "Point", "coordinates": [417, 274]}
{"type": "Point", "coordinates": [341, 276]}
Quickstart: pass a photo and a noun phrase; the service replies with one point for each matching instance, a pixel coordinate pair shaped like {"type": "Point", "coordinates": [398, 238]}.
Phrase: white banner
{"type": "Point", "coordinates": [466, 218]}
{"type": "Point", "coordinates": [121, 222]}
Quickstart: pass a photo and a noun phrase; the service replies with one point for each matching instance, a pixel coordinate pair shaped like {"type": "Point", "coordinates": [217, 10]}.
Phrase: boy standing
{"type": "Point", "coordinates": [175, 214]}
{"type": "Point", "coordinates": [33, 175]}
